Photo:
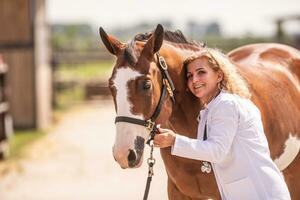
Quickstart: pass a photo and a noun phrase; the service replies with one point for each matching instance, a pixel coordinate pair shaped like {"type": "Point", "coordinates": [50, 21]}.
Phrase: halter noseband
{"type": "Point", "coordinates": [167, 86]}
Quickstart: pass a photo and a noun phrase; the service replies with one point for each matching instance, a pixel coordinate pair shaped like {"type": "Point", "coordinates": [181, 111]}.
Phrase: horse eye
{"type": "Point", "coordinates": [146, 85]}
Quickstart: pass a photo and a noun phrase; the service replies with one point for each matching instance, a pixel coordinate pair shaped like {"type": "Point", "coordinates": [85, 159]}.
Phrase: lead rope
{"type": "Point", "coordinates": [151, 162]}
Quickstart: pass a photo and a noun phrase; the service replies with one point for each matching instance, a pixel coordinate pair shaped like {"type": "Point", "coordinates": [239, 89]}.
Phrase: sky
{"type": "Point", "coordinates": [236, 17]}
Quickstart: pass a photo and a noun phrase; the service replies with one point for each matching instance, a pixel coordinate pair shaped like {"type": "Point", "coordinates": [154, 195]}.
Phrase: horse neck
{"type": "Point", "coordinates": [187, 106]}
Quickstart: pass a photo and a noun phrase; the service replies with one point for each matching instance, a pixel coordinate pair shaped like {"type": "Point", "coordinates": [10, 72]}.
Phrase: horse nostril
{"type": "Point", "coordinates": [132, 157]}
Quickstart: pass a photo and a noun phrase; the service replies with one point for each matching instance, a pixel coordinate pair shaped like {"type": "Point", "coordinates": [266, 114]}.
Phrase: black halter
{"type": "Point", "coordinates": [167, 86]}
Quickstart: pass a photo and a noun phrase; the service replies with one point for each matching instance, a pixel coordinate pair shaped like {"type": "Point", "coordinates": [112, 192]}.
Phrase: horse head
{"type": "Point", "coordinates": [136, 86]}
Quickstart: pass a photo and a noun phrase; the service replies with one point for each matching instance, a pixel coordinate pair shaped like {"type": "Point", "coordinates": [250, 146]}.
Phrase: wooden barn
{"type": "Point", "coordinates": [24, 46]}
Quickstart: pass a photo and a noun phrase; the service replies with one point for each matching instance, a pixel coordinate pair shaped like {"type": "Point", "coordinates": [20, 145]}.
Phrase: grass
{"type": "Point", "coordinates": [69, 97]}
{"type": "Point", "coordinates": [21, 139]}
{"type": "Point", "coordinates": [85, 72]}
{"type": "Point", "coordinates": [18, 143]}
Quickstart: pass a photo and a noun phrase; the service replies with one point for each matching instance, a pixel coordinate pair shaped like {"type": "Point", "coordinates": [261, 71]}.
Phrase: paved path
{"type": "Point", "coordinates": [74, 162]}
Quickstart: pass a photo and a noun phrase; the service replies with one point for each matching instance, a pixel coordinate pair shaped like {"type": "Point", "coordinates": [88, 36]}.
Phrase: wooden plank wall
{"type": "Point", "coordinates": [17, 48]}
{"type": "Point", "coordinates": [15, 27]}
{"type": "Point", "coordinates": [21, 86]}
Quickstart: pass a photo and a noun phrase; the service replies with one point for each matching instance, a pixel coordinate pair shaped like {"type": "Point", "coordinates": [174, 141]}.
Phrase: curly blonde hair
{"type": "Point", "coordinates": [232, 80]}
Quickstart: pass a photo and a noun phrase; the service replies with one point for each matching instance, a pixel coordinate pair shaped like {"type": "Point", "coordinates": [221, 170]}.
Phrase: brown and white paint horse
{"type": "Point", "coordinates": [271, 70]}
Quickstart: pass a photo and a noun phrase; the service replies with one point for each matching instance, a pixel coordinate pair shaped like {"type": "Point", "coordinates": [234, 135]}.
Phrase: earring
{"type": "Point", "coordinates": [219, 86]}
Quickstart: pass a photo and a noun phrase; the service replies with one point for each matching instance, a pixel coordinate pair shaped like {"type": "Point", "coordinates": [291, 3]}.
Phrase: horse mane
{"type": "Point", "coordinates": [170, 36]}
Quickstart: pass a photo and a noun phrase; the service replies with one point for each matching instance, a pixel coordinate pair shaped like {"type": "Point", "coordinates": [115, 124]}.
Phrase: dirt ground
{"type": "Point", "coordinates": [75, 162]}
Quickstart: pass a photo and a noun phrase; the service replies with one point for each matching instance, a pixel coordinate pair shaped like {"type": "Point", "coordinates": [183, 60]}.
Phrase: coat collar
{"type": "Point", "coordinates": [210, 104]}
{"type": "Point", "coordinates": [213, 101]}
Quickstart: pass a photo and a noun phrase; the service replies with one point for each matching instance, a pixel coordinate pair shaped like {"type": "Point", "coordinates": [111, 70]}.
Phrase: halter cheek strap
{"type": "Point", "coordinates": [167, 86]}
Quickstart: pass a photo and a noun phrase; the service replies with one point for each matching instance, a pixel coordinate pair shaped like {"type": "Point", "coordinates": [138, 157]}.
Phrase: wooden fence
{"type": "Point", "coordinates": [92, 89]}
{"type": "Point", "coordinates": [80, 57]}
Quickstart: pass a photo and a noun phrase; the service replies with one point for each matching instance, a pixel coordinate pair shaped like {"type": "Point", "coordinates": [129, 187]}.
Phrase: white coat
{"type": "Point", "coordinates": [237, 148]}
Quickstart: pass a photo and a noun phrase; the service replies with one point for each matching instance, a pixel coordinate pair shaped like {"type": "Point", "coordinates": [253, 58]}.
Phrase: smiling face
{"type": "Point", "coordinates": [203, 78]}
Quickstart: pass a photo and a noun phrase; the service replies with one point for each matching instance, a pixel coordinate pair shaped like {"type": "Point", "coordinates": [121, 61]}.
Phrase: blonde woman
{"type": "Point", "coordinates": [231, 139]}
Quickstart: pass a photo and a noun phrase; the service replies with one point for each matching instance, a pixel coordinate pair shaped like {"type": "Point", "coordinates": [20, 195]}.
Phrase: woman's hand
{"type": "Point", "coordinates": [164, 138]}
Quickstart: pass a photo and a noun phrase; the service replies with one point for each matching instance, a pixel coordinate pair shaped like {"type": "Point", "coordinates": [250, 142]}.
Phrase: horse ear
{"type": "Point", "coordinates": [154, 43]}
{"type": "Point", "coordinates": [112, 44]}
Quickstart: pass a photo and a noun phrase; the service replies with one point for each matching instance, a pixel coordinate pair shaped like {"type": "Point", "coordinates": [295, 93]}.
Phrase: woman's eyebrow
{"type": "Point", "coordinates": [199, 68]}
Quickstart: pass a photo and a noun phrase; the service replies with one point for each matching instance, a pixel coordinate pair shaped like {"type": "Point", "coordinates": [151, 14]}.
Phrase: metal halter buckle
{"type": "Point", "coordinates": [163, 63]}
{"type": "Point", "coordinates": [150, 125]}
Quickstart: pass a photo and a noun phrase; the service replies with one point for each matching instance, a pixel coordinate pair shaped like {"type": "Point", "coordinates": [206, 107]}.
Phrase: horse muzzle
{"type": "Point", "coordinates": [130, 157]}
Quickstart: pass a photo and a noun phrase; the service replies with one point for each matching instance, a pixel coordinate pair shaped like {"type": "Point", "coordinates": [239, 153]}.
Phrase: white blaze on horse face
{"type": "Point", "coordinates": [291, 150]}
{"type": "Point", "coordinates": [126, 132]}
{"type": "Point", "coordinates": [122, 77]}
